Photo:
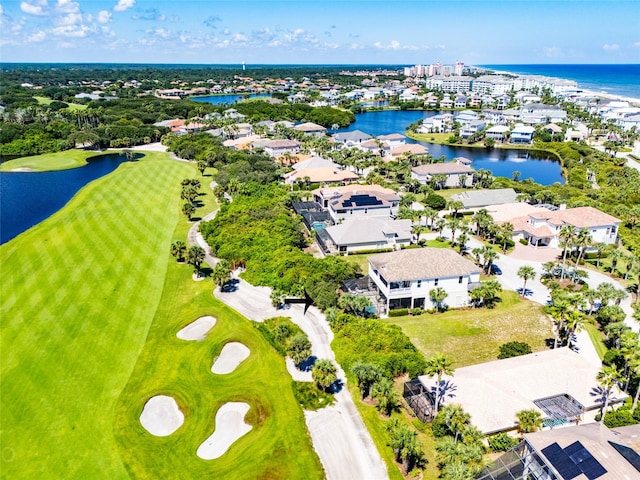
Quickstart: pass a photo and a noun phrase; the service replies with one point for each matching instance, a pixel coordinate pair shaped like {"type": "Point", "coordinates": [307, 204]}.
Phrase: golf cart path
{"type": "Point", "coordinates": [338, 434]}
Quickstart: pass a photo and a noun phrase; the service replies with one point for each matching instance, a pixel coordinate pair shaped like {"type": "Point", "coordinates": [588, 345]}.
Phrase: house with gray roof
{"type": "Point", "coordinates": [358, 200]}
{"type": "Point", "coordinates": [482, 198]}
{"type": "Point", "coordinates": [404, 278]}
{"type": "Point", "coordinates": [457, 174]}
{"type": "Point", "coordinates": [350, 139]}
{"type": "Point", "coordinates": [364, 233]}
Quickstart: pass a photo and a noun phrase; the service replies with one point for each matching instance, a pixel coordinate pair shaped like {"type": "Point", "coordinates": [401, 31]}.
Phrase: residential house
{"type": "Point", "coordinates": [275, 148]}
{"type": "Point", "coordinates": [404, 278]}
{"type": "Point", "coordinates": [499, 133]}
{"type": "Point", "coordinates": [325, 175]}
{"type": "Point", "coordinates": [457, 175]}
{"type": "Point", "coordinates": [522, 134]}
{"type": "Point", "coordinates": [393, 139]}
{"type": "Point", "coordinates": [540, 113]}
{"type": "Point", "coordinates": [466, 116]}
{"type": "Point", "coordinates": [483, 198]}
{"type": "Point", "coordinates": [311, 129]}
{"type": "Point", "coordinates": [408, 149]}
{"type": "Point", "coordinates": [351, 139]}
{"type": "Point", "coordinates": [364, 233]}
{"type": "Point", "coordinates": [472, 128]}
{"type": "Point", "coordinates": [460, 101]}
{"type": "Point", "coordinates": [358, 200]}
{"type": "Point", "coordinates": [446, 103]}
{"type": "Point", "coordinates": [541, 226]}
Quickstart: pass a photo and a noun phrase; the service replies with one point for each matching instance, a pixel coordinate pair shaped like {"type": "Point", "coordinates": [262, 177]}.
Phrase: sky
{"type": "Point", "coordinates": [396, 32]}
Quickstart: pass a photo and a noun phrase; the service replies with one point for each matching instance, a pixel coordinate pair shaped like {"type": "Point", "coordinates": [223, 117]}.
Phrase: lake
{"type": "Point", "coordinates": [30, 197]}
{"type": "Point", "coordinates": [228, 99]}
{"type": "Point", "coordinates": [539, 166]}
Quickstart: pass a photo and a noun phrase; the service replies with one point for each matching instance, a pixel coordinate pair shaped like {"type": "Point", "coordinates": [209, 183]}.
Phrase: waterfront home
{"type": "Point", "coordinates": [482, 198]}
{"type": "Point", "coordinates": [522, 134]}
{"type": "Point", "coordinates": [466, 116]}
{"type": "Point", "coordinates": [460, 101]}
{"type": "Point", "coordinates": [358, 200]}
{"type": "Point", "coordinates": [441, 123]}
{"type": "Point", "coordinates": [364, 233]}
{"type": "Point", "coordinates": [409, 149]}
{"type": "Point", "coordinates": [557, 383]}
{"type": "Point", "coordinates": [404, 278]}
{"type": "Point", "coordinates": [499, 133]}
{"type": "Point", "coordinates": [472, 128]}
{"type": "Point", "coordinates": [393, 139]}
{"type": "Point", "coordinates": [457, 174]}
{"type": "Point", "coordinates": [327, 175]}
{"type": "Point", "coordinates": [311, 129]}
{"type": "Point", "coordinates": [375, 147]}
{"type": "Point", "coordinates": [541, 226]}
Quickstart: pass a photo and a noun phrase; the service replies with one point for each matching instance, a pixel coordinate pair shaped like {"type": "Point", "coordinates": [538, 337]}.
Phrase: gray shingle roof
{"type": "Point", "coordinates": [421, 263]}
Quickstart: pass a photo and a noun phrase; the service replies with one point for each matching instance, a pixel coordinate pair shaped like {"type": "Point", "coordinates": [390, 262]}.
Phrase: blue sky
{"type": "Point", "coordinates": [308, 31]}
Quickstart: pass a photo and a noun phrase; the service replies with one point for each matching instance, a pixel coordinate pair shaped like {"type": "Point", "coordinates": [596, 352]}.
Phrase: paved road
{"type": "Point", "coordinates": [338, 434]}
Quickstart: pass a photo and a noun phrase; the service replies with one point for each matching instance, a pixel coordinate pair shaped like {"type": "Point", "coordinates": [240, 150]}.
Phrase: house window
{"type": "Point", "coordinates": [419, 284]}
{"type": "Point", "coordinates": [460, 279]}
{"type": "Point", "coordinates": [435, 282]}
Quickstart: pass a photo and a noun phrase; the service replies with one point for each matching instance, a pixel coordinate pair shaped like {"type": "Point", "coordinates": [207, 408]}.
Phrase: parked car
{"type": "Point", "coordinates": [495, 269]}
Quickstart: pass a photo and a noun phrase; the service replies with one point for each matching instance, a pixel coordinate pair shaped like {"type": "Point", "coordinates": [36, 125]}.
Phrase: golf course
{"type": "Point", "coordinates": [91, 305]}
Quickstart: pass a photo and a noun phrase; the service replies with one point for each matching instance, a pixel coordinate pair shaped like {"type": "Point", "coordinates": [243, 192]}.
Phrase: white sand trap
{"type": "Point", "coordinates": [197, 330]}
{"type": "Point", "coordinates": [161, 416]}
{"type": "Point", "coordinates": [232, 355]}
{"type": "Point", "coordinates": [230, 426]}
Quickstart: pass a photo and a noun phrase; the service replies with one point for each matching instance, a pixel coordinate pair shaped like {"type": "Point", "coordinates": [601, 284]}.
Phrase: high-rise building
{"type": "Point", "coordinates": [458, 68]}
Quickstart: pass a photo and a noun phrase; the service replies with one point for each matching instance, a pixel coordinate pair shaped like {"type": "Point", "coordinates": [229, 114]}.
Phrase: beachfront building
{"type": "Point", "coordinates": [404, 278]}
{"type": "Point", "coordinates": [522, 134]}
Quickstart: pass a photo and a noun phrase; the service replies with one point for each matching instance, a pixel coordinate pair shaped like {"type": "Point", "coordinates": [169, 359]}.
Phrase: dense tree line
{"type": "Point", "coordinates": [258, 230]}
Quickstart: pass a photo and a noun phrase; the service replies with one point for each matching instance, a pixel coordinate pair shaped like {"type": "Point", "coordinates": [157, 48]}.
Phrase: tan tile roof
{"type": "Point", "coordinates": [412, 148]}
{"type": "Point", "coordinates": [583, 217]}
{"type": "Point", "coordinates": [323, 175]}
{"type": "Point", "coordinates": [521, 224]}
{"type": "Point", "coordinates": [283, 144]}
{"type": "Point", "coordinates": [421, 263]}
{"type": "Point", "coordinates": [447, 168]}
{"type": "Point", "coordinates": [309, 127]}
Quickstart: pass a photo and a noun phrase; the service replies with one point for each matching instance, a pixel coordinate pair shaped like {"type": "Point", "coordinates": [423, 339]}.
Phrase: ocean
{"type": "Point", "coordinates": [614, 79]}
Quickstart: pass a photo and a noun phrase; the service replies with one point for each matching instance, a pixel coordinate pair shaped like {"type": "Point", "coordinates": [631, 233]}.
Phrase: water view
{"type": "Point", "coordinates": [30, 197]}
{"type": "Point", "coordinates": [226, 99]}
{"type": "Point", "coordinates": [539, 166]}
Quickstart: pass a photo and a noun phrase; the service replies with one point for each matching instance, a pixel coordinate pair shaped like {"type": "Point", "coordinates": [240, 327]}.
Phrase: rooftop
{"type": "Point", "coordinates": [447, 168]}
{"type": "Point", "coordinates": [421, 263]}
{"type": "Point", "coordinates": [368, 229]}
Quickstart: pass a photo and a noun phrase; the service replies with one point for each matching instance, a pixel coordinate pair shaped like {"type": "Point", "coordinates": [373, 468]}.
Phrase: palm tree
{"type": "Point", "coordinates": [405, 444]}
{"type": "Point", "coordinates": [609, 376]}
{"type": "Point", "coordinates": [454, 224]}
{"type": "Point", "coordinates": [582, 242]}
{"type": "Point", "coordinates": [600, 248]}
{"type": "Point", "coordinates": [188, 210]}
{"type": "Point", "coordinates": [178, 249]}
{"type": "Point", "coordinates": [505, 232]}
{"type": "Point", "coordinates": [221, 274]}
{"type": "Point", "coordinates": [488, 255]}
{"type": "Point", "coordinates": [463, 238]}
{"type": "Point", "coordinates": [324, 374]}
{"type": "Point", "coordinates": [385, 394]}
{"type": "Point", "coordinates": [575, 321]}
{"type": "Point", "coordinates": [615, 256]}
{"type": "Point", "coordinates": [299, 349]}
{"type": "Point", "coordinates": [195, 257]}
{"type": "Point", "coordinates": [366, 375]}
{"type": "Point", "coordinates": [416, 230]}
{"type": "Point", "coordinates": [455, 418]}
{"type": "Point", "coordinates": [526, 272]}
{"type": "Point", "coordinates": [438, 365]}
{"type": "Point", "coordinates": [437, 296]}
{"type": "Point", "coordinates": [529, 420]}
{"type": "Point", "coordinates": [440, 224]}
{"type": "Point", "coordinates": [566, 237]}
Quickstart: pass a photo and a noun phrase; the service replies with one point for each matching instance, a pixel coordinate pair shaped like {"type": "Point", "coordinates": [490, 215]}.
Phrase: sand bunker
{"type": "Point", "coordinates": [197, 330]}
{"type": "Point", "coordinates": [230, 426]}
{"type": "Point", "coordinates": [161, 416]}
{"type": "Point", "coordinates": [232, 354]}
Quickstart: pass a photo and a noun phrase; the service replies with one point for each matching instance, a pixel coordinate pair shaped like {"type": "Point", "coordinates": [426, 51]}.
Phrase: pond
{"type": "Point", "coordinates": [540, 166]}
{"type": "Point", "coordinates": [30, 197]}
{"type": "Point", "coordinates": [228, 99]}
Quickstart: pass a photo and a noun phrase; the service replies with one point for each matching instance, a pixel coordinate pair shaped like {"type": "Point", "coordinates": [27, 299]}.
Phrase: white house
{"type": "Point", "coordinates": [404, 278]}
{"type": "Point", "coordinates": [364, 233]}
{"type": "Point", "coordinates": [457, 174]}
{"type": "Point", "coordinates": [311, 129]}
{"type": "Point", "coordinates": [522, 134]}
{"type": "Point", "coordinates": [275, 148]}
{"type": "Point", "coordinates": [351, 139]}
{"type": "Point", "coordinates": [498, 132]}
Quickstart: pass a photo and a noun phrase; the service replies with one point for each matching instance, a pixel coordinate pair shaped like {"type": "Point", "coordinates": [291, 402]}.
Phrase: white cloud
{"type": "Point", "coordinates": [611, 47]}
{"type": "Point", "coordinates": [394, 45]}
{"type": "Point", "coordinates": [636, 45]}
{"type": "Point", "coordinates": [124, 5]}
{"type": "Point", "coordinates": [67, 6]}
{"type": "Point", "coordinates": [73, 31]}
{"type": "Point", "coordinates": [1, 10]}
{"type": "Point", "coordinates": [104, 16]}
{"type": "Point", "coordinates": [552, 52]}
{"type": "Point", "coordinates": [37, 7]}
{"type": "Point", "coordinates": [38, 36]}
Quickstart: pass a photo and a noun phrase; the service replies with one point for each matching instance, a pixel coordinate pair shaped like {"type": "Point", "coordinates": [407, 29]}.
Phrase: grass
{"type": "Point", "coordinates": [91, 303]}
{"type": "Point", "coordinates": [52, 161]}
{"type": "Point", "coordinates": [468, 337]}
{"type": "Point", "coordinates": [596, 338]}
{"type": "Point", "coordinates": [72, 106]}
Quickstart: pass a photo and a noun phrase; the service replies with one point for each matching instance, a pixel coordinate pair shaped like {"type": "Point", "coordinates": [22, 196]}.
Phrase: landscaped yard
{"type": "Point", "coordinates": [83, 292]}
{"type": "Point", "coordinates": [473, 336]}
{"type": "Point", "coordinates": [72, 106]}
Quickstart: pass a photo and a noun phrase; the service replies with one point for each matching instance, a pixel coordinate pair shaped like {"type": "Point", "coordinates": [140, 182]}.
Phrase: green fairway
{"type": "Point", "coordinates": [53, 161]}
{"type": "Point", "coordinates": [472, 336]}
{"type": "Point", "coordinates": [72, 106]}
{"type": "Point", "coordinates": [80, 292]}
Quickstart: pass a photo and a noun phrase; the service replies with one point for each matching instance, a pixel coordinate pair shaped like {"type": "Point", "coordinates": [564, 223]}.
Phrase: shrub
{"type": "Point", "coordinates": [435, 201]}
{"type": "Point", "coordinates": [501, 442]}
{"type": "Point", "coordinates": [416, 311]}
{"type": "Point", "coordinates": [622, 417]}
{"type": "Point", "coordinates": [310, 397]}
{"type": "Point", "coordinates": [524, 241]}
{"type": "Point", "coordinates": [514, 349]}
{"type": "Point", "coordinates": [399, 312]}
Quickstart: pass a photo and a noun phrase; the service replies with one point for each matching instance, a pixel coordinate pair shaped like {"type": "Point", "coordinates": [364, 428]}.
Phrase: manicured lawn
{"type": "Point", "coordinates": [52, 161]}
{"type": "Point", "coordinates": [468, 337]}
{"type": "Point", "coordinates": [81, 294]}
{"type": "Point", "coordinates": [596, 338]}
{"type": "Point", "coordinates": [72, 106]}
